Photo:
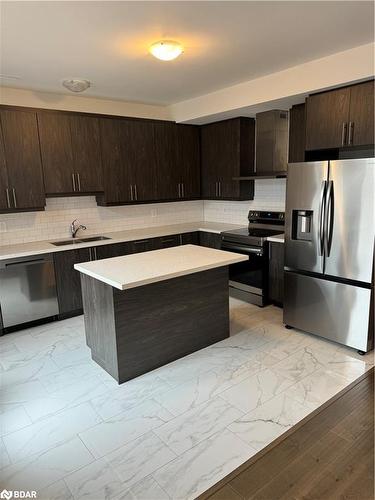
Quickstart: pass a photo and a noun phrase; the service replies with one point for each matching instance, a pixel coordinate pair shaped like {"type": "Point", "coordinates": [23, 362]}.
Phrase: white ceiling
{"type": "Point", "coordinates": [225, 43]}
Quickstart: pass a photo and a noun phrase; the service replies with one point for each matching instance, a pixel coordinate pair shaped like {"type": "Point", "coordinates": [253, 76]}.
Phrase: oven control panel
{"type": "Point", "coordinates": [262, 217]}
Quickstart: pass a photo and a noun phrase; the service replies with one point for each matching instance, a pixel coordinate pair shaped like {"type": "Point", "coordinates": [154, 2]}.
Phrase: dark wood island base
{"type": "Point", "coordinates": [134, 331]}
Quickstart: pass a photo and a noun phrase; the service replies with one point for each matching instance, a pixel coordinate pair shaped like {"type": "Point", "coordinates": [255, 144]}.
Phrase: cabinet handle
{"type": "Point", "coordinates": [14, 198]}
{"type": "Point", "coordinates": [96, 255]}
{"type": "Point", "coordinates": [167, 240]}
{"type": "Point", "coordinates": [179, 190]}
{"type": "Point", "coordinates": [131, 192]}
{"type": "Point", "coordinates": [219, 189]}
{"type": "Point", "coordinates": [183, 189]}
{"type": "Point", "coordinates": [78, 181]}
{"type": "Point", "coordinates": [8, 199]}
{"type": "Point", "coordinates": [135, 192]}
{"type": "Point", "coordinates": [343, 134]}
{"type": "Point", "coordinates": [74, 182]}
{"type": "Point", "coordinates": [216, 189]}
{"type": "Point", "coordinates": [140, 241]}
{"type": "Point", "coordinates": [351, 130]}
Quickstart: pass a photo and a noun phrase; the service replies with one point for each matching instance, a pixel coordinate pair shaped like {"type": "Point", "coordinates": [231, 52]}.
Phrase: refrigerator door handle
{"type": "Point", "coordinates": [328, 223]}
{"type": "Point", "coordinates": [322, 210]}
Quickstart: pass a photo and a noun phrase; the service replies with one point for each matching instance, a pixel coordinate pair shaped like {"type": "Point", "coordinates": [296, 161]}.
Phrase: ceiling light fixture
{"type": "Point", "coordinates": [76, 85]}
{"type": "Point", "coordinates": [166, 50]}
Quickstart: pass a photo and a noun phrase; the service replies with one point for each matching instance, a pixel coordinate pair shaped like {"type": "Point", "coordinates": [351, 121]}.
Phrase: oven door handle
{"type": "Point", "coordinates": [242, 249]}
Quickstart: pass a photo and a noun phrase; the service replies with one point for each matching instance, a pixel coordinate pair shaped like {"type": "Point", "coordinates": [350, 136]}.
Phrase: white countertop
{"type": "Point", "coordinates": [130, 271]}
{"type": "Point", "coordinates": [45, 246]}
{"type": "Point", "coordinates": [279, 238]}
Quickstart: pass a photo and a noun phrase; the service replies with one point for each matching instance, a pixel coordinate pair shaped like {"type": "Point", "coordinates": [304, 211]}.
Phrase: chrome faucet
{"type": "Point", "coordinates": [74, 229]}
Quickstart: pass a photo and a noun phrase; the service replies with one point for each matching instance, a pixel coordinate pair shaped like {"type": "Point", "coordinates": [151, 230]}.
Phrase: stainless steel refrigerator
{"type": "Point", "coordinates": [329, 250]}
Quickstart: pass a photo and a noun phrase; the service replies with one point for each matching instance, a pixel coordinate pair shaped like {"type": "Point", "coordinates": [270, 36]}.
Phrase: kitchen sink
{"type": "Point", "coordinates": [77, 241]}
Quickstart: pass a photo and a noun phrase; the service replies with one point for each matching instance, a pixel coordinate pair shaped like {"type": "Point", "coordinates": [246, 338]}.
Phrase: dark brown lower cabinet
{"type": "Point", "coordinates": [68, 281]}
{"type": "Point", "coordinates": [143, 245]}
{"type": "Point", "coordinates": [173, 240]}
{"type": "Point", "coordinates": [190, 238]}
{"type": "Point", "coordinates": [114, 250]}
{"type": "Point", "coordinates": [276, 273]}
{"type": "Point", "coordinates": [212, 240]}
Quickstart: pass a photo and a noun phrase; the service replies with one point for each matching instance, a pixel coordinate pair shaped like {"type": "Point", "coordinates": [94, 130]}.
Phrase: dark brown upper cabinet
{"type": "Point", "coordinates": [165, 153]}
{"type": "Point", "coordinates": [227, 151]}
{"type": "Point", "coordinates": [297, 133]}
{"type": "Point", "coordinates": [177, 162]}
{"type": "Point", "coordinates": [4, 185]}
{"type": "Point", "coordinates": [21, 174]}
{"type": "Point", "coordinates": [271, 142]}
{"type": "Point", "coordinates": [128, 161]}
{"type": "Point", "coordinates": [361, 115]}
{"type": "Point", "coordinates": [71, 155]}
{"type": "Point", "coordinates": [340, 118]}
{"type": "Point", "coordinates": [87, 162]}
{"type": "Point", "coordinates": [187, 166]}
{"type": "Point", "coordinates": [146, 160]}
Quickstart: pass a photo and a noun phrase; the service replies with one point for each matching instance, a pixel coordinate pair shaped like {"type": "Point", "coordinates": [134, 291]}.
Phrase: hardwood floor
{"type": "Point", "coordinates": [330, 456]}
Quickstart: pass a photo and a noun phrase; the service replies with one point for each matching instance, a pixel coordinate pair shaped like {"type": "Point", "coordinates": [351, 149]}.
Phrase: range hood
{"type": "Point", "coordinates": [272, 131]}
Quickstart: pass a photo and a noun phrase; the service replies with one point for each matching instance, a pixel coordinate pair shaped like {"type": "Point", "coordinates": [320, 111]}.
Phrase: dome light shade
{"type": "Point", "coordinates": [166, 50]}
{"type": "Point", "coordinates": [76, 85]}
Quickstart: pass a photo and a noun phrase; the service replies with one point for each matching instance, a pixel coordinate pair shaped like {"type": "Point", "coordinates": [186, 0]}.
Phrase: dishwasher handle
{"type": "Point", "coordinates": [24, 262]}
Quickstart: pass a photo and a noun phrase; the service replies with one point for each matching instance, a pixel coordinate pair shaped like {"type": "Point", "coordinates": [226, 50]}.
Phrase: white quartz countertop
{"type": "Point", "coordinates": [130, 271]}
{"type": "Point", "coordinates": [279, 238]}
{"type": "Point", "coordinates": [45, 246]}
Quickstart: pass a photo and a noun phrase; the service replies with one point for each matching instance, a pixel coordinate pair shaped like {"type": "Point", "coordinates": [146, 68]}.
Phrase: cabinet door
{"type": "Point", "coordinates": [211, 149]}
{"type": "Point", "coordinates": [220, 159]}
{"type": "Point", "coordinates": [165, 140]}
{"type": "Point", "coordinates": [22, 155]}
{"type": "Point", "coordinates": [188, 161]}
{"type": "Point", "coordinates": [57, 154]}
{"type": "Point", "coordinates": [276, 272]}
{"type": "Point", "coordinates": [138, 155]}
{"type": "Point", "coordinates": [68, 280]}
{"type": "Point", "coordinates": [115, 250]}
{"type": "Point", "coordinates": [211, 240]}
{"type": "Point", "coordinates": [297, 133]}
{"type": "Point", "coordinates": [116, 169]}
{"type": "Point", "coordinates": [327, 116]}
{"type": "Point", "coordinates": [4, 186]}
{"type": "Point", "coordinates": [86, 153]}
{"type": "Point", "coordinates": [190, 238]}
{"type": "Point", "coordinates": [361, 126]}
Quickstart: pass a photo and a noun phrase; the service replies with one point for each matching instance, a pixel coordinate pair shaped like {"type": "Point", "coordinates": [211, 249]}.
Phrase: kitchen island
{"type": "Point", "coordinates": [145, 310]}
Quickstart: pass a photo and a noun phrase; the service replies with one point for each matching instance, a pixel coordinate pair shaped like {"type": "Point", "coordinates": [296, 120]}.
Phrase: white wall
{"type": "Point", "coordinates": [338, 69]}
{"type": "Point", "coordinates": [47, 100]}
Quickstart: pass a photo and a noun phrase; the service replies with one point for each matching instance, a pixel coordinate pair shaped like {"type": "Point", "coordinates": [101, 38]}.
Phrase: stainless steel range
{"type": "Point", "coordinates": [249, 280]}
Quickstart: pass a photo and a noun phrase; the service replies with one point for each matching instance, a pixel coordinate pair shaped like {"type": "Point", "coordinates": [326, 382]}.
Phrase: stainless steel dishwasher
{"type": "Point", "coordinates": [27, 289]}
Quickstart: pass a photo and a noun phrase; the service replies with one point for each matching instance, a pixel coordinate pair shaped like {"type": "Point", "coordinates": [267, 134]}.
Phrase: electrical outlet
{"type": "Point", "coordinates": [154, 212]}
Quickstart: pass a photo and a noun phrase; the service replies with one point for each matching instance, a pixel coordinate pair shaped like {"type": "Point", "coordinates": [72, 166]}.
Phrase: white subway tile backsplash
{"type": "Point", "coordinates": [54, 222]}
{"type": "Point", "coordinates": [269, 195]}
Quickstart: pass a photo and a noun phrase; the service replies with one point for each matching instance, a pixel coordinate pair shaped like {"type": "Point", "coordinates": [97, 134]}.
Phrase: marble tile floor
{"type": "Point", "coordinates": [69, 431]}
